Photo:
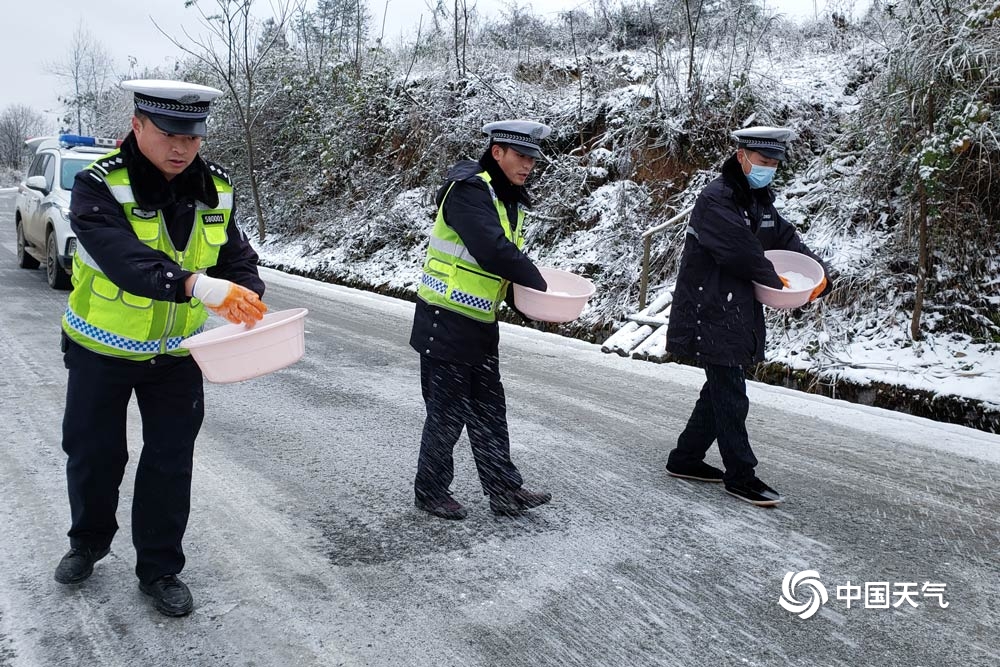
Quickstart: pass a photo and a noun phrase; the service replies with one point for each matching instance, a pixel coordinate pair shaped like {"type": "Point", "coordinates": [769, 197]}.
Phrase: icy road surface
{"type": "Point", "coordinates": [304, 547]}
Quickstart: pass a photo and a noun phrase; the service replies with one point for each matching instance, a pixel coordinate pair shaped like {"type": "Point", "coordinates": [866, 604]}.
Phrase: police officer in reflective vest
{"type": "Point", "coordinates": [157, 245]}
{"type": "Point", "coordinates": [474, 253]}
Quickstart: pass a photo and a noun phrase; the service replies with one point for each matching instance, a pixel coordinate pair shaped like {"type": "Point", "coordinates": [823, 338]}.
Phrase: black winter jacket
{"type": "Point", "coordinates": [469, 210]}
{"type": "Point", "coordinates": [714, 317]}
{"type": "Point", "coordinates": [103, 230]}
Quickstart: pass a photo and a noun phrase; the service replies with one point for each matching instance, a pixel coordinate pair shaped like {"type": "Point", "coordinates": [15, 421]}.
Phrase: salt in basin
{"type": "Point", "coordinates": [568, 293]}
{"type": "Point", "coordinates": [803, 273]}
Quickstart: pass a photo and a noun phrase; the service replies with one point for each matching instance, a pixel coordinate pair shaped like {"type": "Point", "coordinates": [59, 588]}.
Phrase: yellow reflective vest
{"type": "Point", "coordinates": [451, 276]}
{"type": "Point", "coordinates": [106, 319]}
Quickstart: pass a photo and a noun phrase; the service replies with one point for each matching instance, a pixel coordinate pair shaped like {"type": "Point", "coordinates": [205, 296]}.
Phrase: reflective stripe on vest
{"type": "Point", "coordinates": [460, 297]}
{"type": "Point", "coordinates": [106, 319]}
{"type": "Point", "coordinates": [451, 248]}
{"type": "Point", "coordinates": [451, 276]}
{"type": "Point", "coordinates": [109, 339]}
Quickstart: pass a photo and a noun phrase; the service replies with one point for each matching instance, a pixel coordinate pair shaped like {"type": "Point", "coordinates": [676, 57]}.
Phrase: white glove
{"type": "Point", "coordinates": [233, 302]}
{"type": "Point", "coordinates": [210, 291]}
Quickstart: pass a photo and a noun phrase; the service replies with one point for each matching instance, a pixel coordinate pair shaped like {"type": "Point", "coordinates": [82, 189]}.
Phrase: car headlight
{"type": "Point", "coordinates": [65, 211]}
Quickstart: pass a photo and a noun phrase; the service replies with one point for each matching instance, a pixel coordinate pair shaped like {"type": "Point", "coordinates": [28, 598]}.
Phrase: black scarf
{"type": "Point", "coordinates": [506, 191]}
{"type": "Point", "coordinates": [153, 192]}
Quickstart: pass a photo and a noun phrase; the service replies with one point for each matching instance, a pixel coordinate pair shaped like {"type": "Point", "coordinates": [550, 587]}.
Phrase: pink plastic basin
{"type": "Point", "coordinates": [232, 352]}
{"type": "Point", "coordinates": [566, 306]}
{"type": "Point", "coordinates": [788, 261]}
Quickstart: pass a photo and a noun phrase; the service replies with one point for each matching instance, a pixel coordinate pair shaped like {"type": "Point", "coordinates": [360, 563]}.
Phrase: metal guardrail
{"type": "Point", "coordinates": [647, 237]}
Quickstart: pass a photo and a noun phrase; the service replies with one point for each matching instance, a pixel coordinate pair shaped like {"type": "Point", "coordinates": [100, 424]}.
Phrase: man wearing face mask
{"type": "Point", "coordinates": [715, 320]}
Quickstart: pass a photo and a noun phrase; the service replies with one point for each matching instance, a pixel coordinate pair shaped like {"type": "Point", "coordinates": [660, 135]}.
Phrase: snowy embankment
{"type": "Point", "coordinates": [589, 219]}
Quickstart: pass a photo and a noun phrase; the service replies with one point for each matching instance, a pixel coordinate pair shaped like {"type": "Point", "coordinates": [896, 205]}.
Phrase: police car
{"type": "Point", "coordinates": [41, 214]}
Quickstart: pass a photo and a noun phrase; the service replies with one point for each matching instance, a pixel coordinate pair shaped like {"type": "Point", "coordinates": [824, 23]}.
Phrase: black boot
{"type": "Point", "coordinates": [170, 596]}
{"type": "Point", "coordinates": [78, 564]}
{"type": "Point", "coordinates": [446, 507]}
{"type": "Point", "coordinates": [517, 501]}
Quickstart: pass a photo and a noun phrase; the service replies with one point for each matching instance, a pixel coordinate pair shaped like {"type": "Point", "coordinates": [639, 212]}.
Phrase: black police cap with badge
{"type": "Point", "coordinates": [524, 136]}
{"type": "Point", "coordinates": [768, 141]}
{"type": "Point", "coordinates": [176, 107]}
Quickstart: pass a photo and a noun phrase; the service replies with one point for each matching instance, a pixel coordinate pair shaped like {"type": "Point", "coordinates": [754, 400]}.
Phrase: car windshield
{"type": "Point", "coordinates": [69, 168]}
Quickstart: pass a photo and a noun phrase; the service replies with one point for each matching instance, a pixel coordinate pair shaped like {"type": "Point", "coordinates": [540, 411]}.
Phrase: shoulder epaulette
{"type": "Point", "coordinates": [218, 171]}
{"type": "Point", "coordinates": [109, 163]}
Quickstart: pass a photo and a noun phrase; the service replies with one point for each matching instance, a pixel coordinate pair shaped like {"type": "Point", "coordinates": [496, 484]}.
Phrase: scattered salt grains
{"type": "Point", "coordinates": [797, 281]}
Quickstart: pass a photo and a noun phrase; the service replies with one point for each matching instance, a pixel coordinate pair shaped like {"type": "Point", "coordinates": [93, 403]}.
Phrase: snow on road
{"type": "Point", "coordinates": [304, 547]}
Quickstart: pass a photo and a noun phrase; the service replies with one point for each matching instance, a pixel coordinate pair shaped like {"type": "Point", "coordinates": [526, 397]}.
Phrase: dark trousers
{"type": "Point", "coordinates": [464, 396]}
{"type": "Point", "coordinates": [720, 414]}
{"type": "Point", "coordinates": [170, 397]}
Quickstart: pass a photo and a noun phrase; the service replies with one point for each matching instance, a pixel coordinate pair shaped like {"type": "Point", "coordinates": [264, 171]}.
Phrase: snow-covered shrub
{"type": "Point", "coordinates": [350, 156]}
{"type": "Point", "coordinates": [930, 150]}
{"type": "Point", "coordinates": [10, 177]}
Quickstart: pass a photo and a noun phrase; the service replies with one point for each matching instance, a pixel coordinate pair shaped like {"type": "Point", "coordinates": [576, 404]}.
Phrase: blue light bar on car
{"type": "Point", "coordinates": [99, 142]}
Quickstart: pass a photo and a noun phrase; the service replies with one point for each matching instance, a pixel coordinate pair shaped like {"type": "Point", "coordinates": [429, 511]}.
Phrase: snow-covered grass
{"type": "Point", "coordinates": [623, 134]}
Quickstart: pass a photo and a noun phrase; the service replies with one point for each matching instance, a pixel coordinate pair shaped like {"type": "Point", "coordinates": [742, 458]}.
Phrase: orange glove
{"type": "Point", "coordinates": [819, 289]}
{"type": "Point", "coordinates": [784, 280]}
{"type": "Point", "coordinates": [229, 300]}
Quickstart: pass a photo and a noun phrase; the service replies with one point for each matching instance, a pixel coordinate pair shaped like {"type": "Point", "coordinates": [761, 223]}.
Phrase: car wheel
{"type": "Point", "coordinates": [24, 260]}
{"type": "Point", "coordinates": [58, 278]}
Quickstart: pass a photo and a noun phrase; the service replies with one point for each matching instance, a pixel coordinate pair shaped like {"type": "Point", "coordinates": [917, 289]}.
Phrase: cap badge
{"type": "Point", "coordinates": [188, 99]}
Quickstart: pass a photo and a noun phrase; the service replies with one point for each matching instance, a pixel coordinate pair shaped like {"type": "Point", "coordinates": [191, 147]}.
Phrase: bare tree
{"type": "Point", "coordinates": [692, 16]}
{"type": "Point", "coordinates": [360, 30]}
{"type": "Point", "coordinates": [579, 72]}
{"type": "Point", "coordinates": [236, 50]}
{"type": "Point", "coordinates": [439, 12]}
{"type": "Point", "coordinates": [333, 33]}
{"type": "Point", "coordinates": [318, 31]}
{"type": "Point", "coordinates": [461, 16]}
{"type": "Point", "coordinates": [17, 123]}
{"type": "Point", "coordinates": [89, 70]}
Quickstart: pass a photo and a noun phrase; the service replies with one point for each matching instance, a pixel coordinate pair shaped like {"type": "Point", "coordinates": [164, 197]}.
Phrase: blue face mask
{"type": "Point", "coordinates": [759, 176]}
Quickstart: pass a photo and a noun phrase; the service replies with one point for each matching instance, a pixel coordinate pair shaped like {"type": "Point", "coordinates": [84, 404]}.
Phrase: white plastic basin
{"type": "Point", "coordinates": [786, 261]}
{"type": "Point", "coordinates": [568, 293]}
{"type": "Point", "coordinates": [232, 352]}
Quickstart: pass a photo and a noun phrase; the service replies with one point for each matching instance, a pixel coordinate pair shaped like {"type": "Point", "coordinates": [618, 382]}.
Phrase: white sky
{"type": "Point", "coordinates": [37, 33]}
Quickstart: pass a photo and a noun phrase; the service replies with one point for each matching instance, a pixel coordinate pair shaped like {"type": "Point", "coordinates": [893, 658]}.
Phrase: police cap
{"type": "Point", "coordinates": [176, 107]}
{"type": "Point", "coordinates": [524, 136]}
{"type": "Point", "coordinates": [768, 141]}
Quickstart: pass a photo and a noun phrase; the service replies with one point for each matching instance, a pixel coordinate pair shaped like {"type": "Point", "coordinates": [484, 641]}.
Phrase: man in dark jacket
{"type": "Point", "coordinates": [473, 254]}
{"type": "Point", "coordinates": [157, 245]}
{"type": "Point", "coordinates": [715, 320]}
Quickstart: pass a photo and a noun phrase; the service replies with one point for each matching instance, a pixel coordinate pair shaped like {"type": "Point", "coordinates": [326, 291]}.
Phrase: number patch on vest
{"type": "Point", "coordinates": [213, 218]}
